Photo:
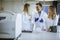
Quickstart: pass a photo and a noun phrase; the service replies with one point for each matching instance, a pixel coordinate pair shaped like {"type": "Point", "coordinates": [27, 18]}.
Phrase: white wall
{"type": "Point", "coordinates": [13, 5]}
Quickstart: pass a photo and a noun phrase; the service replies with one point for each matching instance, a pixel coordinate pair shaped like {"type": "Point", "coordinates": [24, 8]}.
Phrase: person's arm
{"type": "Point", "coordinates": [46, 21]}
{"type": "Point", "coordinates": [34, 20]}
{"type": "Point", "coordinates": [56, 20]}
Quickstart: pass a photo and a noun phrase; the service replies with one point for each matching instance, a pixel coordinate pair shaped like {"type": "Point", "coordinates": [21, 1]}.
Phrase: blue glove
{"type": "Point", "coordinates": [41, 20]}
{"type": "Point", "coordinates": [36, 19]}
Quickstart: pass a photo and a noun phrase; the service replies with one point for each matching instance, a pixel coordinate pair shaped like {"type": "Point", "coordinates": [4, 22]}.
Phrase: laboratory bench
{"type": "Point", "coordinates": [40, 36]}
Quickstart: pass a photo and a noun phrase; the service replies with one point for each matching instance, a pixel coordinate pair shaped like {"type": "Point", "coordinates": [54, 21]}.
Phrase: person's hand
{"type": "Point", "coordinates": [41, 20]}
{"type": "Point", "coordinates": [36, 19]}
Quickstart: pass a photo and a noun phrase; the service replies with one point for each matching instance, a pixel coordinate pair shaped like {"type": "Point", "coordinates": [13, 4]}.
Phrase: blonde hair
{"type": "Point", "coordinates": [53, 12]}
{"type": "Point", "coordinates": [26, 6]}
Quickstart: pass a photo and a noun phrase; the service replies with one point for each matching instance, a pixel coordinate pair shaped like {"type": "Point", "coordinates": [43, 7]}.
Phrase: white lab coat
{"type": "Point", "coordinates": [52, 22]}
{"type": "Point", "coordinates": [39, 25]}
{"type": "Point", "coordinates": [26, 23]}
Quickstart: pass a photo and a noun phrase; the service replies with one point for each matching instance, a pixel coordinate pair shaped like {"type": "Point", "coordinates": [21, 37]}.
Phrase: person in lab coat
{"type": "Point", "coordinates": [39, 18]}
{"type": "Point", "coordinates": [26, 23]}
{"type": "Point", "coordinates": [52, 20]}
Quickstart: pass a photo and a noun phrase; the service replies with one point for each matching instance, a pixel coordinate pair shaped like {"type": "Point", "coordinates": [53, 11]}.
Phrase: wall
{"type": "Point", "coordinates": [13, 5]}
{"type": "Point", "coordinates": [0, 4]}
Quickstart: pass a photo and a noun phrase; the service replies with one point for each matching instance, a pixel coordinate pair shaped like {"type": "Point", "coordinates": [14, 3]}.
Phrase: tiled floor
{"type": "Point", "coordinates": [40, 36]}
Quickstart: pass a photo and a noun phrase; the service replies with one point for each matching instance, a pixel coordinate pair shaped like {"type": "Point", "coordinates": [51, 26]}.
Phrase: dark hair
{"type": "Point", "coordinates": [27, 4]}
{"type": "Point", "coordinates": [39, 4]}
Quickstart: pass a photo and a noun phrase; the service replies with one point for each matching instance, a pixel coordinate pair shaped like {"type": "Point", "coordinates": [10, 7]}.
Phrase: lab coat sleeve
{"type": "Point", "coordinates": [56, 20]}
{"type": "Point", "coordinates": [33, 21]}
{"type": "Point", "coordinates": [47, 23]}
{"type": "Point", "coordinates": [46, 17]}
{"type": "Point", "coordinates": [33, 18]}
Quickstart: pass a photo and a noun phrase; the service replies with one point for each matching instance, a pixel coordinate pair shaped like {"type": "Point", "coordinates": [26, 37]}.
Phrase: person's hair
{"type": "Point", "coordinates": [53, 12]}
{"type": "Point", "coordinates": [26, 7]}
{"type": "Point", "coordinates": [39, 4]}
